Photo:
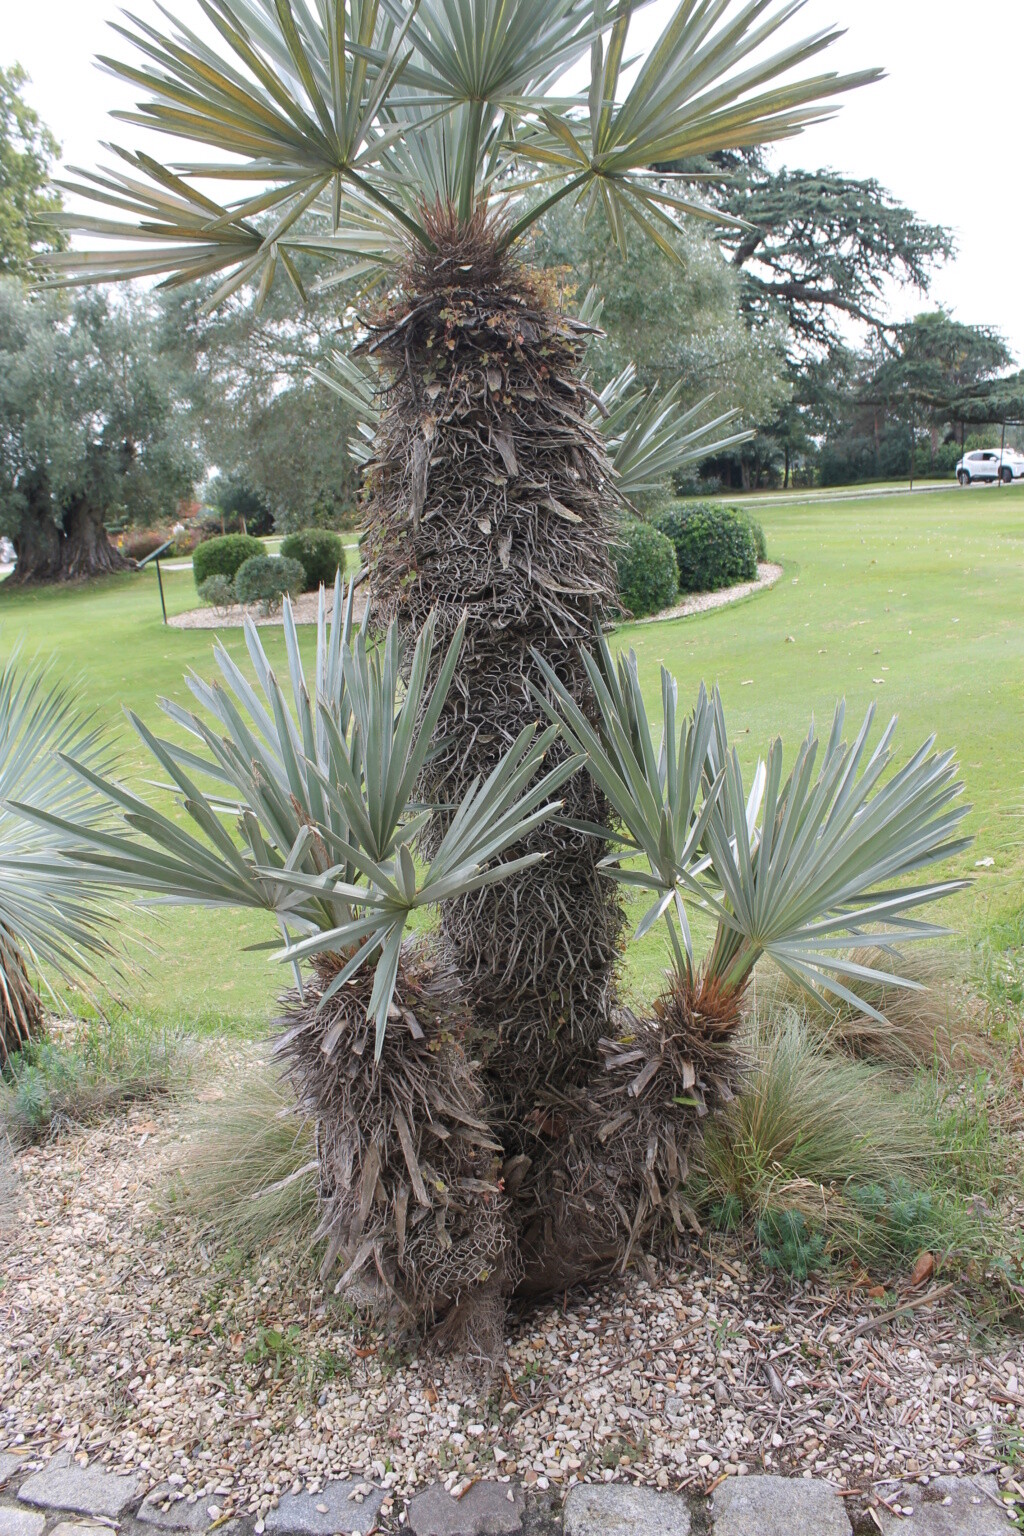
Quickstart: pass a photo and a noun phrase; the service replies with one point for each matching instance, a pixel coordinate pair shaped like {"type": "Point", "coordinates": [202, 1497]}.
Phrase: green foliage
{"type": "Point", "coordinates": [673, 317]}
{"type": "Point", "coordinates": [78, 1078]}
{"type": "Point", "coordinates": [757, 534]}
{"type": "Point", "coordinates": [714, 545]}
{"type": "Point", "coordinates": [800, 869]}
{"type": "Point", "coordinates": [328, 814]}
{"type": "Point", "coordinates": [789, 1245]}
{"type": "Point", "coordinates": [648, 576]}
{"type": "Point", "coordinates": [320, 553]}
{"type": "Point", "coordinates": [266, 581]}
{"type": "Point", "coordinates": [462, 99]}
{"type": "Point", "coordinates": [807, 1121]}
{"type": "Point", "coordinates": [242, 506]}
{"type": "Point", "coordinates": [224, 556]}
{"type": "Point", "coordinates": [217, 591]}
{"type": "Point", "coordinates": [27, 151]}
{"type": "Point", "coordinates": [820, 245]}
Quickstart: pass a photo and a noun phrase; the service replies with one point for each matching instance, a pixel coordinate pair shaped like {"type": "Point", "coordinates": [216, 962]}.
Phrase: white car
{"type": "Point", "coordinates": [990, 464]}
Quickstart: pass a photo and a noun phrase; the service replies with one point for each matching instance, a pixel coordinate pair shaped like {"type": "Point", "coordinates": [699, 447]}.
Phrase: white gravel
{"type": "Point", "coordinates": [702, 602]}
{"type": "Point", "coordinates": [124, 1338]}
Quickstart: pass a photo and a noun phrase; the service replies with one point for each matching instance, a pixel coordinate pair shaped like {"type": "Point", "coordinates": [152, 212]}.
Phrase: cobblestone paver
{"type": "Point", "coordinates": [62, 1484]}
{"type": "Point", "coordinates": [771, 1506]}
{"type": "Point", "coordinates": [347, 1506]}
{"type": "Point", "coordinates": [614, 1509]}
{"type": "Point", "coordinates": [488, 1508]}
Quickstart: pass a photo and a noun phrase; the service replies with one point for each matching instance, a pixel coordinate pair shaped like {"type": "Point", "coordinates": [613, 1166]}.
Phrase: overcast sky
{"type": "Point", "coordinates": [943, 131]}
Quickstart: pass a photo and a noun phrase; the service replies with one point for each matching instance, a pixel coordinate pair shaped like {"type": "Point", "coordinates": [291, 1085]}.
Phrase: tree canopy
{"type": "Point", "coordinates": [27, 200]}
{"type": "Point", "coordinates": [935, 361]}
{"type": "Point", "coordinates": [676, 318]}
{"type": "Point", "coordinates": [823, 248]}
{"type": "Point", "coordinates": [90, 431]}
{"type": "Point", "coordinates": [256, 408]}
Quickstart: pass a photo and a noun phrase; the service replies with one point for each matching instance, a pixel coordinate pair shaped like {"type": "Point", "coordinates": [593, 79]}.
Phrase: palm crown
{"type": "Point", "coordinates": [345, 119]}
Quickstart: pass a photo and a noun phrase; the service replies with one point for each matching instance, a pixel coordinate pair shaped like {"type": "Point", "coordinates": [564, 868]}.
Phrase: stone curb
{"type": "Point", "coordinates": [44, 1501]}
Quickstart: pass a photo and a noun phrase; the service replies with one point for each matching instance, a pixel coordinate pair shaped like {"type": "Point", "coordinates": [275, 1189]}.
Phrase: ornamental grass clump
{"type": "Point", "coordinates": [486, 1124]}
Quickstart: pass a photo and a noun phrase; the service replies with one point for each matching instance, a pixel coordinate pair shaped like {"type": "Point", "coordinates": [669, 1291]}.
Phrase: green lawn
{"type": "Point", "coordinates": [916, 602]}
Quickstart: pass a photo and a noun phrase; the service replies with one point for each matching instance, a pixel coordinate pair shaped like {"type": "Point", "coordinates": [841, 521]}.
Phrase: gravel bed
{"type": "Point", "coordinates": [304, 611]}
{"type": "Point", "coordinates": [126, 1340]}
{"type": "Point", "coordinates": [304, 608]}
{"type": "Point", "coordinates": [701, 602]}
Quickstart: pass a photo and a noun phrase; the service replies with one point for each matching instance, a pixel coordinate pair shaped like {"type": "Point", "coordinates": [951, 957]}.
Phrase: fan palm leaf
{"type": "Point", "coordinates": [314, 817]}
{"type": "Point", "coordinates": [330, 107]}
{"type": "Point", "coordinates": [800, 870]}
{"type": "Point", "coordinates": [51, 921]}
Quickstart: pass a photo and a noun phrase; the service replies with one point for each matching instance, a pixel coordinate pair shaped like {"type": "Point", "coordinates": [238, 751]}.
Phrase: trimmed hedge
{"type": "Point", "coordinates": [648, 576]}
{"type": "Point", "coordinates": [320, 553]}
{"type": "Point", "coordinates": [265, 581]}
{"type": "Point", "coordinates": [224, 556]}
{"type": "Point", "coordinates": [714, 546]}
{"type": "Point", "coordinates": [757, 532]}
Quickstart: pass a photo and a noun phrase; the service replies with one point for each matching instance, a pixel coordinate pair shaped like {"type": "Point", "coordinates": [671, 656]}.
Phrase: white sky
{"type": "Point", "coordinates": [942, 132]}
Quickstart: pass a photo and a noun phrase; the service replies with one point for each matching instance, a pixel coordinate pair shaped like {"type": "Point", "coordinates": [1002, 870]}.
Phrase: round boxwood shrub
{"type": "Point", "coordinates": [217, 591]}
{"type": "Point", "coordinates": [648, 577]}
{"type": "Point", "coordinates": [714, 546]}
{"type": "Point", "coordinates": [265, 581]}
{"type": "Point", "coordinates": [224, 556]}
{"type": "Point", "coordinates": [320, 553]}
{"type": "Point", "coordinates": [757, 533]}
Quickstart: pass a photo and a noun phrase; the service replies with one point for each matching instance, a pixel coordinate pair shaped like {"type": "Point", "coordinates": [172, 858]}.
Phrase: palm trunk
{"type": "Point", "coordinates": [489, 495]}
{"type": "Point", "coordinates": [21, 1012]}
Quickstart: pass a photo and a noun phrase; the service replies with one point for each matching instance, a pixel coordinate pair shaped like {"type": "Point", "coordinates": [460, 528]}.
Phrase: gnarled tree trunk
{"type": "Point", "coordinates": [80, 548]}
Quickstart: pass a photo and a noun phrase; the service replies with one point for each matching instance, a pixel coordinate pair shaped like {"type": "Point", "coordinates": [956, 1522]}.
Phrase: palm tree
{"type": "Point", "coordinates": [799, 869]}
{"type": "Point", "coordinates": [50, 919]}
{"type": "Point", "coordinates": [411, 148]}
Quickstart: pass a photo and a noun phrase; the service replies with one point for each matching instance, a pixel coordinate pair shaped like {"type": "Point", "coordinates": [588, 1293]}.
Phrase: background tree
{"type": "Point", "coordinates": [257, 411]}
{"type": "Point", "coordinates": [242, 508]}
{"type": "Point", "coordinates": [916, 382]}
{"type": "Point", "coordinates": [825, 249]}
{"type": "Point", "coordinates": [27, 201]}
{"type": "Point", "coordinates": [90, 431]}
{"type": "Point", "coordinates": [820, 256]}
{"type": "Point", "coordinates": [676, 318]}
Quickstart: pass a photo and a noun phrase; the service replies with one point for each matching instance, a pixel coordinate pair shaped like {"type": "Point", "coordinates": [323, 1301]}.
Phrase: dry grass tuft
{"type": "Point", "coordinates": [807, 1124]}
{"type": "Point", "coordinates": [78, 1074]}
{"type": "Point", "coordinates": [248, 1170]}
{"type": "Point", "coordinates": [942, 1025]}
